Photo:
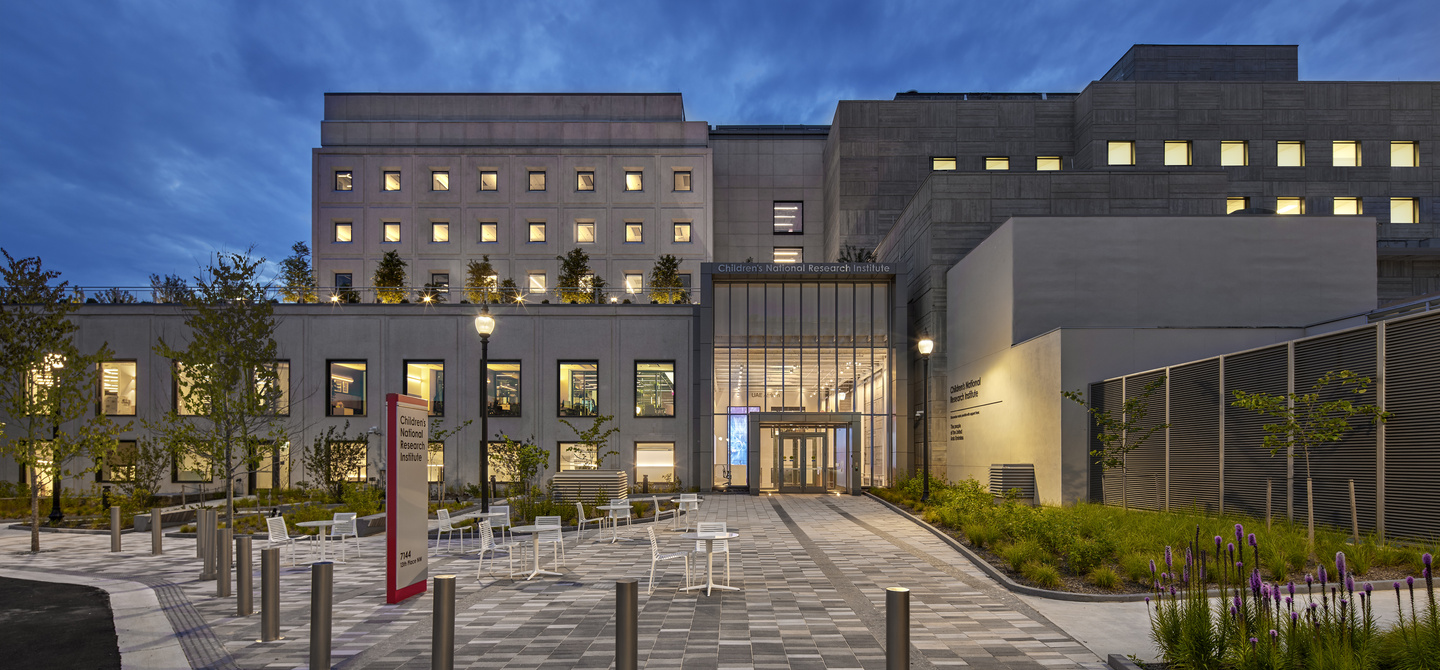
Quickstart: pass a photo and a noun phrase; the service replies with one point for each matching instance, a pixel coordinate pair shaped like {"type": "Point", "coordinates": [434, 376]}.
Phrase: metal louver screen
{"type": "Point", "coordinates": [1106, 396]}
{"type": "Point", "coordinates": [1144, 482]}
{"type": "Point", "coordinates": [1412, 436]}
{"type": "Point", "coordinates": [1195, 436]}
{"type": "Point", "coordinates": [1247, 462]}
{"type": "Point", "coordinates": [1353, 457]}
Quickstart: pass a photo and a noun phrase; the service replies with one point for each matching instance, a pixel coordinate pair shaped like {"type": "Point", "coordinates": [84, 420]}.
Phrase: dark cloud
{"type": "Point", "coordinates": [138, 137]}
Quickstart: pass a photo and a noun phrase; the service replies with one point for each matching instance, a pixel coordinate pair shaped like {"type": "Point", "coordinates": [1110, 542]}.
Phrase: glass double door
{"type": "Point", "coordinates": [804, 463]}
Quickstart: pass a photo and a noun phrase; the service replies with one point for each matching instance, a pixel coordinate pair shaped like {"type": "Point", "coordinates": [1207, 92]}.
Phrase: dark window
{"type": "Point", "coordinates": [789, 218]}
{"type": "Point", "coordinates": [503, 388]}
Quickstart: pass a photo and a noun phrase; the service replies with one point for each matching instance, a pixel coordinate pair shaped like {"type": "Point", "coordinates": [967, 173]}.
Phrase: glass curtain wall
{"type": "Point", "coordinates": [799, 346]}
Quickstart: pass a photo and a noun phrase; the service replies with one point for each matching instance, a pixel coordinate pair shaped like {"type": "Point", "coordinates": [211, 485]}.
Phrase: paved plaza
{"type": "Point", "coordinates": [812, 572]}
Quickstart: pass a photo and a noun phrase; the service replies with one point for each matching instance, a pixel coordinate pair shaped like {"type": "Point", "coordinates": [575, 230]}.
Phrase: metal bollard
{"type": "Point", "coordinates": [156, 533]}
{"type": "Point", "coordinates": [244, 589]}
{"type": "Point", "coordinates": [627, 629]}
{"type": "Point", "coordinates": [199, 536]}
{"type": "Point", "coordinates": [270, 594]}
{"type": "Point", "coordinates": [897, 628]}
{"type": "Point", "coordinates": [223, 559]}
{"type": "Point", "coordinates": [206, 533]}
{"type": "Point", "coordinates": [320, 601]}
{"type": "Point", "coordinates": [442, 639]}
{"type": "Point", "coordinates": [114, 528]}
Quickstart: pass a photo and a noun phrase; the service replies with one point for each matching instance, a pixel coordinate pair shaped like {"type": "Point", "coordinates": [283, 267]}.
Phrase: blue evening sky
{"type": "Point", "coordinates": [138, 137]}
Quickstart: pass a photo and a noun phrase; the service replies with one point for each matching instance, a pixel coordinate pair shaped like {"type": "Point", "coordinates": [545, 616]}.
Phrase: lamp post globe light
{"type": "Point", "coordinates": [925, 346]}
{"type": "Point", "coordinates": [485, 325]}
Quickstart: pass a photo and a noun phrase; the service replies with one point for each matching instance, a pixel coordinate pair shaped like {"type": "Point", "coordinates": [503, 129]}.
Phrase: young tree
{"type": "Point", "coordinates": [226, 373]}
{"type": "Point", "coordinates": [145, 469]}
{"type": "Point", "coordinates": [335, 458]}
{"type": "Point", "coordinates": [509, 291]}
{"type": "Point", "coordinates": [849, 254]}
{"type": "Point", "coordinates": [439, 435]}
{"type": "Point", "coordinates": [480, 281]}
{"type": "Point", "coordinates": [573, 282]}
{"type": "Point", "coordinates": [1120, 435]}
{"type": "Point", "coordinates": [593, 441]}
{"type": "Point", "coordinates": [114, 296]}
{"type": "Point", "coordinates": [169, 289]}
{"type": "Point", "coordinates": [666, 287]}
{"type": "Point", "coordinates": [389, 279]}
{"type": "Point", "coordinates": [1311, 420]}
{"type": "Point", "coordinates": [297, 276]}
{"type": "Point", "coordinates": [522, 462]}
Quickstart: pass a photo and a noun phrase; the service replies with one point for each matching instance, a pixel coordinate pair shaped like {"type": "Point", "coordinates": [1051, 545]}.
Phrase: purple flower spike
{"type": "Point", "coordinates": [1253, 542]}
{"type": "Point", "coordinates": [1237, 601]}
{"type": "Point", "coordinates": [1397, 589]}
{"type": "Point", "coordinates": [1309, 580]}
{"type": "Point", "coordinates": [1152, 566]}
{"type": "Point", "coordinates": [1289, 601]}
{"type": "Point", "coordinates": [1239, 533]}
{"type": "Point", "coordinates": [1368, 588]}
{"type": "Point", "coordinates": [1218, 540]}
{"type": "Point", "coordinates": [1294, 616]}
{"type": "Point", "coordinates": [1233, 611]}
{"type": "Point", "coordinates": [1172, 591]}
{"type": "Point", "coordinates": [1265, 591]}
{"type": "Point", "coordinates": [1169, 560]}
{"type": "Point", "coordinates": [1253, 641]}
{"type": "Point", "coordinates": [1231, 548]}
{"type": "Point", "coordinates": [1425, 558]}
{"type": "Point", "coordinates": [1273, 634]}
{"type": "Point", "coordinates": [1313, 606]}
{"type": "Point", "coordinates": [1321, 570]}
{"type": "Point", "coordinates": [1410, 581]}
{"type": "Point", "coordinates": [1350, 583]}
{"type": "Point", "coordinates": [1147, 600]}
{"type": "Point", "coordinates": [1292, 588]}
{"type": "Point", "coordinates": [1340, 563]}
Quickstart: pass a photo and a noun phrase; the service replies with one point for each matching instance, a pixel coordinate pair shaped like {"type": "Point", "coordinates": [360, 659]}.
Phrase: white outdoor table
{"type": "Point", "coordinates": [534, 532]}
{"type": "Point", "coordinates": [709, 539]}
{"type": "Point", "coordinates": [680, 506]}
{"type": "Point", "coordinates": [324, 527]}
{"type": "Point", "coordinates": [614, 525]}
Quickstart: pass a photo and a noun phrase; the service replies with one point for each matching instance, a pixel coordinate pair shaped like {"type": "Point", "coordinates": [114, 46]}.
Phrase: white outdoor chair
{"type": "Point", "coordinates": [656, 557]}
{"type": "Point", "coordinates": [552, 535]}
{"type": "Point", "coordinates": [618, 515]}
{"type": "Point", "coordinates": [502, 521]}
{"type": "Point", "coordinates": [689, 502]}
{"type": "Point", "coordinates": [279, 537]}
{"type": "Point", "coordinates": [580, 522]}
{"type": "Point", "coordinates": [656, 502]}
{"type": "Point", "coordinates": [449, 528]}
{"type": "Point", "coordinates": [721, 546]}
{"type": "Point", "coordinates": [488, 544]}
{"type": "Point", "coordinates": [345, 527]}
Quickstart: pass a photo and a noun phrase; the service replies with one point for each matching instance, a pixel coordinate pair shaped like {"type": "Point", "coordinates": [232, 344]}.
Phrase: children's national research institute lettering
{"type": "Point", "coordinates": [407, 439]}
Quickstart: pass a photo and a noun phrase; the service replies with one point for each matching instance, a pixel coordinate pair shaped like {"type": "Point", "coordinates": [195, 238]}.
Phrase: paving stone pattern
{"type": "Point", "coordinates": [812, 569]}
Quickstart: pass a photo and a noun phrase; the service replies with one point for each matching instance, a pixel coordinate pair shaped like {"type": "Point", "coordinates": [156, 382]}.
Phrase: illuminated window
{"type": "Point", "coordinates": [585, 181]}
{"type": "Point", "coordinates": [1404, 154]}
{"type": "Point", "coordinates": [654, 462]}
{"type": "Point", "coordinates": [788, 218]}
{"type": "Point", "coordinates": [275, 389]}
{"type": "Point", "coordinates": [575, 456]}
{"type": "Point", "coordinates": [189, 468]}
{"type": "Point", "coordinates": [489, 180]}
{"type": "Point", "coordinates": [1177, 153]}
{"type": "Point", "coordinates": [391, 232]}
{"type": "Point", "coordinates": [503, 388]}
{"type": "Point", "coordinates": [788, 255]}
{"type": "Point", "coordinates": [344, 231]}
{"type": "Point", "coordinates": [440, 231]}
{"type": "Point", "coordinates": [634, 282]}
{"type": "Point", "coordinates": [1348, 207]}
{"type": "Point", "coordinates": [997, 163]}
{"type": "Point", "coordinates": [682, 180]}
{"type": "Point", "coordinates": [1290, 154]}
{"type": "Point", "coordinates": [440, 180]}
{"type": "Point", "coordinates": [187, 403]}
{"type": "Point", "coordinates": [1404, 210]}
{"type": "Point", "coordinates": [579, 388]}
{"type": "Point", "coordinates": [537, 231]}
{"type": "Point", "coordinates": [489, 232]}
{"type": "Point", "coordinates": [344, 180]}
{"type": "Point", "coordinates": [1236, 204]}
{"type": "Point", "coordinates": [347, 388]}
{"type": "Point", "coordinates": [1047, 163]}
{"type": "Point", "coordinates": [537, 282]}
{"type": "Point", "coordinates": [634, 180]}
{"type": "Point", "coordinates": [682, 231]}
{"type": "Point", "coordinates": [1121, 153]}
{"type": "Point", "coordinates": [1289, 206]}
{"type": "Point", "coordinates": [1234, 153]}
{"type": "Point", "coordinates": [117, 388]}
{"type": "Point", "coordinates": [1346, 153]}
{"type": "Point", "coordinates": [537, 180]}
{"type": "Point", "coordinates": [634, 232]}
{"type": "Point", "coordinates": [655, 388]}
{"type": "Point", "coordinates": [426, 380]}
{"type": "Point", "coordinates": [391, 181]}
{"type": "Point", "coordinates": [435, 463]}
{"type": "Point", "coordinates": [119, 465]}
{"type": "Point", "coordinates": [942, 164]}
{"type": "Point", "coordinates": [584, 232]}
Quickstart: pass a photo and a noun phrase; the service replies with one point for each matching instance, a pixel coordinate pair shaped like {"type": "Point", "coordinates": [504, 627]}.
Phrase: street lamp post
{"type": "Point", "coordinates": [485, 324]}
{"type": "Point", "coordinates": [926, 345]}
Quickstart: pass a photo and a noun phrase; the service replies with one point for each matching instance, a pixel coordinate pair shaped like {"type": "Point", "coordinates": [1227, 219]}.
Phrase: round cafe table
{"type": "Point", "coordinates": [324, 527]}
{"type": "Point", "coordinates": [687, 506]}
{"type": "Point", "coordinates": [614, 526]}
{"type": "Point", "coordinates": [534, 532]}
{"type": "Point", "coordinates": [709, 539]}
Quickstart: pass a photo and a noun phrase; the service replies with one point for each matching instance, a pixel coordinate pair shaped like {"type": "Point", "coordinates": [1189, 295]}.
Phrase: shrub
{"type": "Point", "coordinates": [1137, 568]}
{"type": "Point", "coordinates": [1045, 576]}
{"type": "Point", "coordinates": [1023, 552]}
{"type": "Point", "coordinates": [1104, 577]}
{"type": "Point", "coordinates": [1086, 554]}
{"type": "Point", "coordinates": [982, 534]}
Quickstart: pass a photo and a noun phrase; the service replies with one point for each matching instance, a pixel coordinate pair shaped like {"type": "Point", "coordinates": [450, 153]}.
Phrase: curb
{"type": "Point", "coordinates": [76, 531]}
{"type": "Point", "coordinates": [1118, 662]}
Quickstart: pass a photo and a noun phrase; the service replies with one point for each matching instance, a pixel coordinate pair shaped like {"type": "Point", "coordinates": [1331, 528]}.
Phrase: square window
{"type": "Point", "coordinates": [1234, 153]}
{"type": "Point", "coordinates": [1346, 153]}
{"type": "Point", "coordinates": [343, 280]}
{"type": "Point", "coordinates": [537, 282]}
{"type": "Point", "coordinates": [502, 388]}
{"type": "Point", "coordinates": [584, 232]}
{"type": "Point", "coordinates": [634, 232]}
{"type": "Point", "coordinates": [1047, 163]}
{"type": "Point", "coordinates": [1121, 153]}
{"type": "Point", "coordinates": [119, 465]}
{"type": "Point", "coordinates": [682, 180]}
{"type": "Point", "coordinates": [537, 180]}
{"type": "Point", "coordinates": [579, 388]}
{"type": "Point", "coordinates": [1348, 207]}
{"type": "Point", "coordinates": [344, 180]}
{"type": "Point", "coordinates": [391, 181]}
{"type": "Point", "coordinates": [1290, 154]}
{"type": "Point", "coordinates": [997, 163]}
{"type": "Point", "coordinates": [440, 279]}
{"type": "Point", "coordinates": [439, 232]}
{"type": "Point", "coordinates": [634, 282]}
{"type": "Point", "coordinates": [440, 180]}
{"type": "Point", "coordinates": [655, 388]}
{"type": "Point", "coordinates": [654, 462]}
{"type": "Point", "coordinates": [117, 388]}
{"type": "Point", "coordinates": [344, 231]}
{"type": "Point", "coordinates": [942, 164]}
{"type": "Point", "coordinates": [1404, 210]}
{"type": "Point", "coordinates": [347, 388]}
{"type": "Point", "coordinates": [788, 255]}
{"type": "Point", "coordinates": [489, 232]}
{"type": "Point", "coordinates": [1404, 154]}
{"type": "Point", "coordinates": [634, 180]}
{"type": "Point", "coordinates": [682, 232]}
{"type": "Point", "coordinates": [788, 218]}
{"type": "Point", "coordinates": [1289, 206]}
{"type": "Point", "coordinates": [585, 181]}
{"type": "Point", "coordinates": [391, 232]}
{"type": "Point", "coordinates": [426, 379]}
{"type": "Point", "coordinates": [489, 180]}
{"type": "Point", "coordinates": [1177, 153]}
{"type": "Point", "coordinates": [537, 231]}
{"type": "Point", "coordinates": [1236, 204]}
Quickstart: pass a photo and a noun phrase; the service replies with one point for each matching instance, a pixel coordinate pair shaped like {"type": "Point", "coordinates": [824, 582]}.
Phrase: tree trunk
{"type": "Point", "coordinates": [1310, 512]}
{"type": "Point", "coordinates": [1124, 493]}
{"type": "Point", "coordinates": [34, 509]}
